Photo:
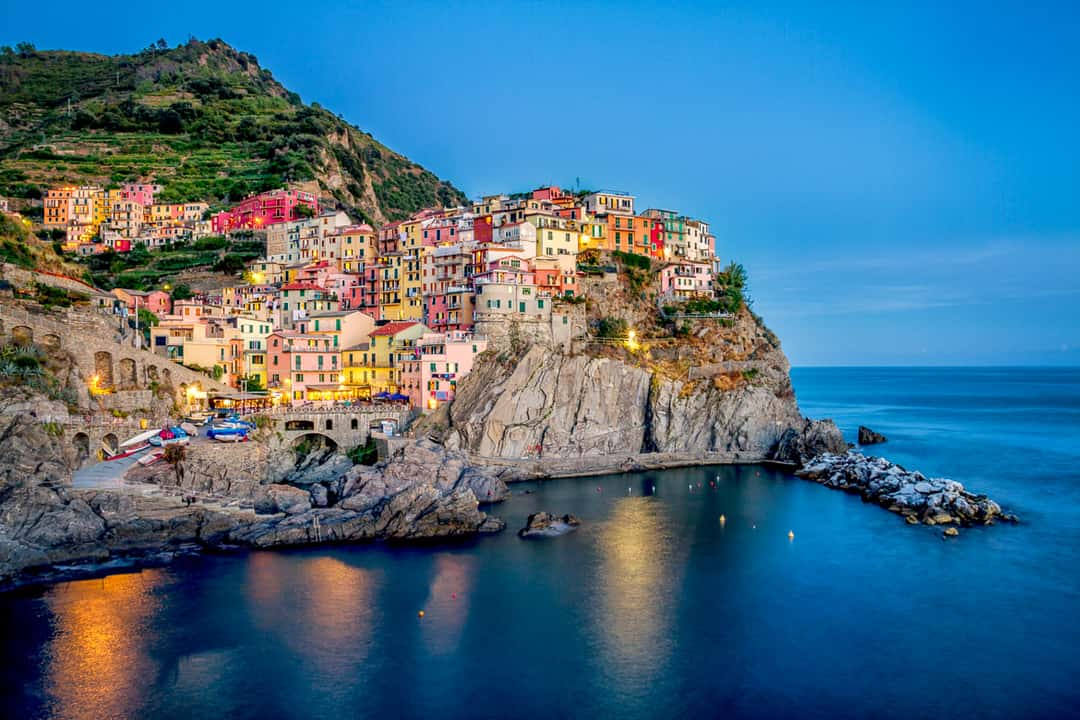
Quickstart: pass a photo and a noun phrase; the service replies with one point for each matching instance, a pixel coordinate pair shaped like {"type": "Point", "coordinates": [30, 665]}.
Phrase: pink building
{"type": "Point", "coordinates": [156, 301]}
{"type": "Point", "coordinates": [268, 208]}
{"type": "Point", "coordinates": [440, 362]}
{"type": "Point", "coordinates": [686, 279]}
{"type": "Point", "coordinates": [142, 194]}
{"type": "Point", "coordinates": [303, 367]}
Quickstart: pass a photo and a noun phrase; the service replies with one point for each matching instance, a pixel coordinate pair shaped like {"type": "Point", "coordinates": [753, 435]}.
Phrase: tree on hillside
{"type": "Point", "coordinates": [182, 292]}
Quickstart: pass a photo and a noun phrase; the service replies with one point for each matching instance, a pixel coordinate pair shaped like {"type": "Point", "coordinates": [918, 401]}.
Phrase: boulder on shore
{"type": "Point", "coordinates": [932, 501]}
{"type": "Point", "coordinates": [544, 524]}
{"type": "Point", "coordinates": [870, 437]}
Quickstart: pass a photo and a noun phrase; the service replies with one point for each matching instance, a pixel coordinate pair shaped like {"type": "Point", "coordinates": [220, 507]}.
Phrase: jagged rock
{"type": "Point", "coordinates": [815, 437]}
{"type": "Point", "coordinates": [869, 437]}
{"type": "Point", "coordinates": [544, 524]}
{"type": "Point", "coordinates": [288, 499]}
{"type": "Point", "coordinates": [936, 501]}
{"type": "Point", "coordinates": [319, 495]}
{"type": "Point", "coordinates": [950, 532]}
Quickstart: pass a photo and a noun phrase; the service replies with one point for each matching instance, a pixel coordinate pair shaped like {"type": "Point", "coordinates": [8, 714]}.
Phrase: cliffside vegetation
{"type": "Point", "coordinates": [20, 247]}
{"type": "Point", "coordinates": [142, 269]}
{"type": "Point", "coordinates": [203, 119]}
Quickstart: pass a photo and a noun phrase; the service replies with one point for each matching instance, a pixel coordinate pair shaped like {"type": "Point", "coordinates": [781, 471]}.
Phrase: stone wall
{"type": "Point", "coordinates": [26, 279]}
{"type": "Point", "coordinates": [503, 332]}
{"type": "Point", "coordinates": [95, 342]}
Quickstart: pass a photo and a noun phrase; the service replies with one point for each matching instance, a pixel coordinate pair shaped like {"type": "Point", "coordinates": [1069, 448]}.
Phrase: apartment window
{"type": "Point", "coordinates": [299, 377]}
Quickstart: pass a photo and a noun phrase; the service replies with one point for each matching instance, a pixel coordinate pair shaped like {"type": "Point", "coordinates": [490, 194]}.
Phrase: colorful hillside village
{"type": "Point", "coordinates": [341, 312]}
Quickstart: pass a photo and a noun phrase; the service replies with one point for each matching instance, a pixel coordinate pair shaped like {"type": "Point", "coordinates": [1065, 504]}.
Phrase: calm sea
{"type": "Point", "coordinates": [675, 598]}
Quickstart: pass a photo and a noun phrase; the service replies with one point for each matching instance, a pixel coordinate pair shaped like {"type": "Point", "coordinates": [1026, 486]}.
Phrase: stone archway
{"type": "Point", "coordinates": [329, 424]}
{"type": "Point", "coordinates": [111, 443]}
{"type": "Point", "coordinates": [314, 443]}
{"type": "Point", "coordinates": [166, 378]}
{"type": "Point", "coordinates": [152, 374]}
{"type": "Point", "coordinates": [22, 335]}
{"type": "Point", "coordinates": [103, 369]}
{"type": "Point", "coordinates": [51, 342]}
{"type": "Point", "coordinates": [354, 424]}
{"type": "Point", "coordinates": [128, 377]}
{"type": "Point", "coordinates": [81, 441]}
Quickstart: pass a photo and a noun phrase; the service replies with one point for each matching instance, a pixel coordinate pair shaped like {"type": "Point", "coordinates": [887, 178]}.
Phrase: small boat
{"type": "Point", "coordinates": [140, 439]}
{"type": "Point", "coordinates": [189, 428]}
{"type": "Point", "coordinates": [198, 418]}
{"type": "Point", "coordinates": [231, 437]}
{"type": "Point", "coordinates": [151, 458]}
{"type": "Point", "coordinates": [129, 452]}
{"type": "Point", "coordinates": [170, 436]}
{"type": "Point", "coordinates": [228, 433]}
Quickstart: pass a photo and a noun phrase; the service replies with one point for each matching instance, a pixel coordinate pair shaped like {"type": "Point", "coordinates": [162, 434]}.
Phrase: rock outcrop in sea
{"type": "Point", "coordinates": [543, 524]}
{"type": "Point", "coordinates": [933, 501]}
{"type": "Point", "coordinates": [870, 437]}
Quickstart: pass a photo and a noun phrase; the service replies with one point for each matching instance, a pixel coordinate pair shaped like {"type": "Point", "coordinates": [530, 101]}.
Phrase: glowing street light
{"type": "Point", "coordinates": [631, 341]}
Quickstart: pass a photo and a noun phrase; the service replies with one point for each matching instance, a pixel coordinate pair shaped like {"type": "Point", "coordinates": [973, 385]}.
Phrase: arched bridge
{"type": "Point", "coordinates": [346, 427]}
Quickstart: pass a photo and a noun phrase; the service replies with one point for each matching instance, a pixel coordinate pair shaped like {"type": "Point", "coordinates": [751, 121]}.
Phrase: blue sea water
{"type": "Point", "coordinates": [674, 599]}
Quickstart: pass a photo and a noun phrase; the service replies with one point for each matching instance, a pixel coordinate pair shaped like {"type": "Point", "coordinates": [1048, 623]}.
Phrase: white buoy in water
{"type": "Point", "coordinates": [723, 521]}
{"type": "Point", "coordinates": [790, 534]}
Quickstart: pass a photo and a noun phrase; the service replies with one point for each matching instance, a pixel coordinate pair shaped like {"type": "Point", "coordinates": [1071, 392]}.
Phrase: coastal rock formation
{"type": "Point", "coordinates": [725, 392]}
{"type": "Point", "coordinates": [544, 524]}
{"type": "Point", "coordinates": [424, 492]}
{"type": "Point", "coordinates": [933, 501]}
{"type": "Point", "coordinates": [869, 437]}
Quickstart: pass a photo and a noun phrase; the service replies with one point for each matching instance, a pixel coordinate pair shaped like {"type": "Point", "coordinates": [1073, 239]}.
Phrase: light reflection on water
{"type": "Point", "coordinates": [447, 604]}
{"type": "Point", "coordinates": [98, 661]}
{"type": "Point", "coordinates": [639, 571]}
{"type": "Point", "coordinates": [328, 603]}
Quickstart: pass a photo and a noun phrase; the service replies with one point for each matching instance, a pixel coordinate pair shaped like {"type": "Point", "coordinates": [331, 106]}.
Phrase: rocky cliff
{"type": "Point", "coordinates": [721, 390]}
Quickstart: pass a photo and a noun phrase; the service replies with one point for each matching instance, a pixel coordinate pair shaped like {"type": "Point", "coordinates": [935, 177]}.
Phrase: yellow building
{"type": "Point", "coordinates": [254, 333]}
{"type": "Point", "coordinates": [375, 366]}
{"type": "Point", "coordinates": [390, 276]}
{"type": "Point", "coordinates": [412, 286]}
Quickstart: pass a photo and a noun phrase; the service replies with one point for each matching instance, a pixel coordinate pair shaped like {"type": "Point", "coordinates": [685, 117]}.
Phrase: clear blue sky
{"type": "Point", "coordinates": [903, 185]}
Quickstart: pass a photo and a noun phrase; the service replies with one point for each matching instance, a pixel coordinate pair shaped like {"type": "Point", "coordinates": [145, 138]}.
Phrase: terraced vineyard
{"type": "Point", "coordinates": [203, 120]}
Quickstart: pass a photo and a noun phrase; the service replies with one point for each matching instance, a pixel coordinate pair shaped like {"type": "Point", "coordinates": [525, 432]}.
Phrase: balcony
{"type": "Point", "coordinates": [310, 349]}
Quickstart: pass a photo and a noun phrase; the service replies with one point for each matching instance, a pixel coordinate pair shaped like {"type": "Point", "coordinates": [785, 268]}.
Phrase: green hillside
{"type": "Point", "coordinates": [203, 120]}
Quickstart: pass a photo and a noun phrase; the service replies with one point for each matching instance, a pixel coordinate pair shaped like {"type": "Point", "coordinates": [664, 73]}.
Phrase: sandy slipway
{"type": "Point", "coordinates": [933, 501]}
